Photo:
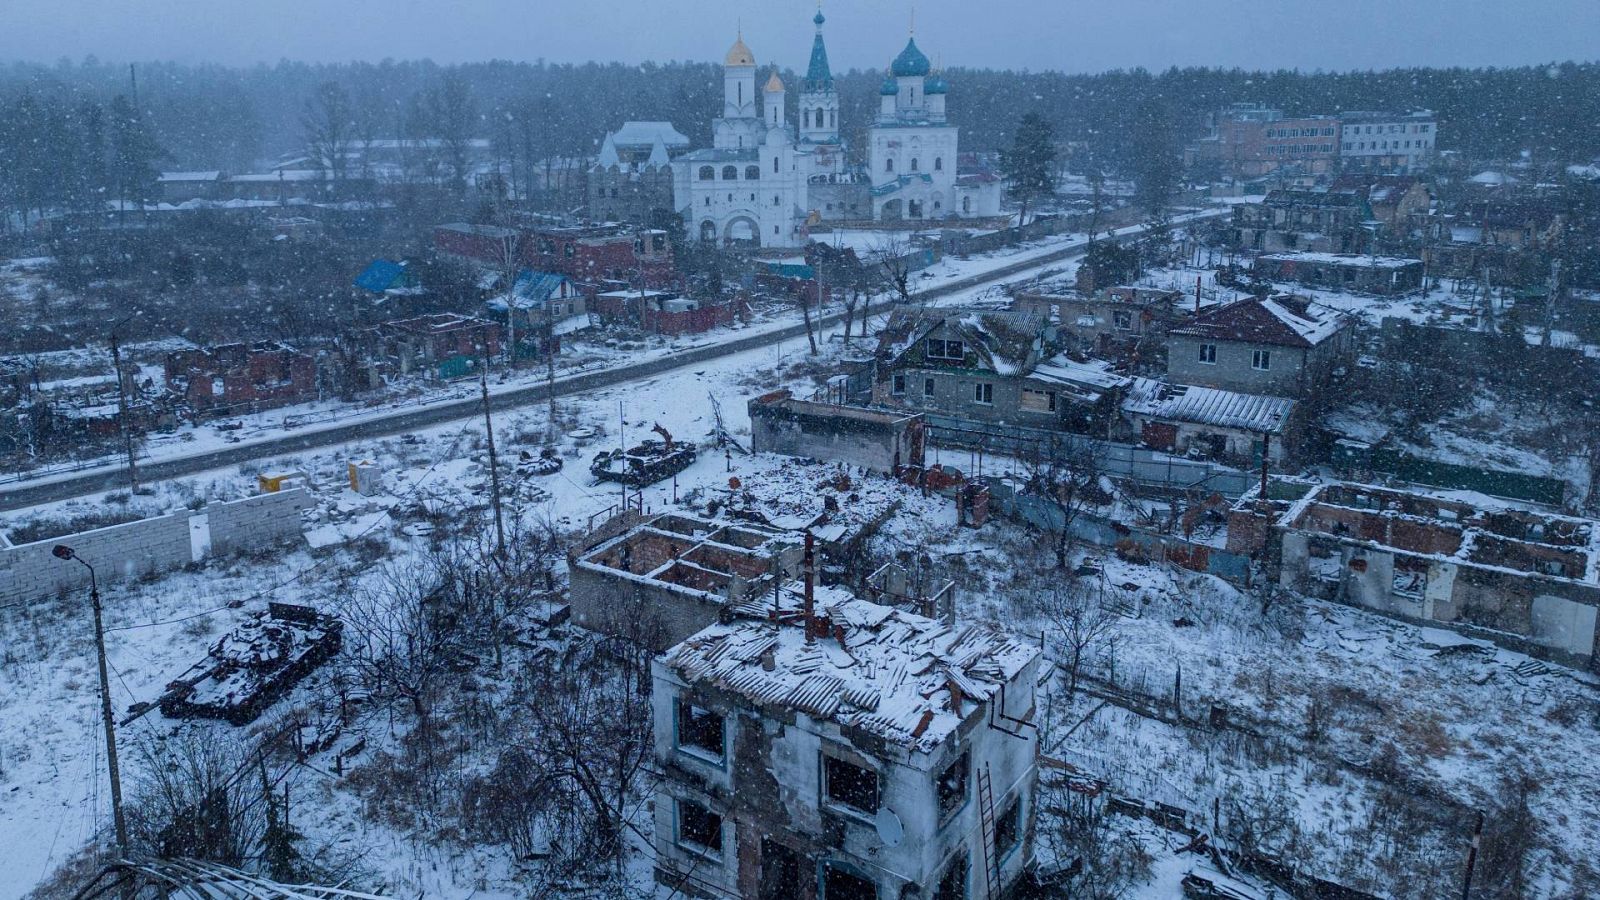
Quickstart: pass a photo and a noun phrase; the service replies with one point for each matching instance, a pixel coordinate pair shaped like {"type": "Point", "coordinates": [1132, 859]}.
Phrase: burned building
{"type": "Point", "coordinates": [822, 746]}
{"type": "Point", "coordinates": [662, 579]}
{"type": "Point", "coordinates": [1528, 580]}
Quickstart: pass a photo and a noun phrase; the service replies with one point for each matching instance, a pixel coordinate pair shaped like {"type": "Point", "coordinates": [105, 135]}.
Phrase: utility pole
{"type": "Point", "coordinates": [62, 551]}
{"type": "Point", "coordinates": [1472, 856]}
{"type": "Point", "coordinates": [550, 370]}
{"type": "Point", "coordinates": [494, 463]}
{"type": "Point", "coordinates": [122, 415]}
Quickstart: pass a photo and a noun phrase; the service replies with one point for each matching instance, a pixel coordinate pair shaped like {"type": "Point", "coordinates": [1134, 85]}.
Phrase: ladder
{"type": "Point", "coordinates": [991, 853]}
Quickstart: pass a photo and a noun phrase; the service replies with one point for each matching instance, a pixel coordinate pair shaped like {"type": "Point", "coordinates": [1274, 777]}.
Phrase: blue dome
{"type": "Point", "coordinates": [936, 85]}
{"type": "Point", "coordinates": [818, 19]}
{"type": "Point", "coordinates": [890, 87]}
{"type": "Point", "coordinates": [911, 63]}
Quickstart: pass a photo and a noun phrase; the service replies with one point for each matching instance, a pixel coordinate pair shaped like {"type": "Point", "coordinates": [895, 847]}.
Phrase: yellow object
{"type": "Point", "coordinates": [739, 54]}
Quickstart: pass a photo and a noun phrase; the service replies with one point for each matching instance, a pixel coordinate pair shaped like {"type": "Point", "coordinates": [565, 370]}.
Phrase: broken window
{"type": "Point", "coordinates": [952, 786]}
{"type": "Point", "coordinates": [699, 730]}
{"type": "Point", "coordinates": [1123, 320]}
{"type": "Point", "coordinates": [1410, 577]}
{"type": "Point", "coordinates": [850, 785]}
{"type": "Point", "coordinates": [1208, 354]}
{"type": "Point", "coordinates": [953, 884]}
{"type": "Point", "coordinates": [983, 392]}
{"type": "Point", "coordinates": [699, 829]}
{"type": "Point", "coordinates": [780, 870]}
{"type": "Point", "coordinates": [899, 387]}
{"type": "Point", "coordinates": [1038, 401]}
{"type": "Point", "coordinates": [927, 387]}
{"type": "Point", "coordinates": [938, 349]}
{"type": "Point", "coordinates": [1008, 829]}
{"type": "Point", "coordinates": [839, 884]}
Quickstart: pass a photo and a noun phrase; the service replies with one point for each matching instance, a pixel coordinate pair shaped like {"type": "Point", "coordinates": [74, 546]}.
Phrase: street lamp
{"type": "Point", "coordinates": [62, 551]}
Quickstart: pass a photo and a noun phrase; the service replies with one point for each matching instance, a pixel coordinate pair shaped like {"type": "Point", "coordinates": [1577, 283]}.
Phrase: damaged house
{"type": "Point", "coordinates": [1528, 580]}
{"type": "Point", "coordinates": [1285, 346]}
{"type": "Point", "coordinates": [662, 579]}
{"type": "Point", "coordinates": [1226, 426]}
{"type": "Point", "coordinates": [822, 746]}
{"type": "Point", "coordinates": [993, 367]}
{"type": "Point", "coordinates": [1126, 324]}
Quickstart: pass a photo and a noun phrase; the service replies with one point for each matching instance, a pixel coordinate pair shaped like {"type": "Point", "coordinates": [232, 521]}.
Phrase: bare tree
{"type": "Point", "coordinates": [1066, 475]}
{"type": "Point", "coordinates": [330, 129]}
{"type": "Point", "coordinates": [402, 639]}
{"type": "Point", "coordinates": [891, 256]}
{"type": "Point", "coordinates": [1081, 622]}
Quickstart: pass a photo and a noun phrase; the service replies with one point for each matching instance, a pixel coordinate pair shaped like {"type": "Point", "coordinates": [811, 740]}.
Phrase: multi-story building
{"type": "Point", "coordinates": [815, 745]}
{"type": "Point", "coordinates": [992, 366]}
{"type": "Point", "coordinates": [1390, 142]}
{"type": "Point", "coordinates": [1249, 140]}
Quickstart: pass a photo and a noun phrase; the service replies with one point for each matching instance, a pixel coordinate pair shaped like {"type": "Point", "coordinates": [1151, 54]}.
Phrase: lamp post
{"type": "Point", "coordinates": [62, 551]}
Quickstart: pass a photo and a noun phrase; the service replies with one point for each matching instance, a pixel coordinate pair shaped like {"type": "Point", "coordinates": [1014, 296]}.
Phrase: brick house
{"type": "Point", "coordinates": [241, 377]}
{"type": "Point", "coordinates": [1329, 221]}
{"type": "Point", "coordinates": [1284, 346]}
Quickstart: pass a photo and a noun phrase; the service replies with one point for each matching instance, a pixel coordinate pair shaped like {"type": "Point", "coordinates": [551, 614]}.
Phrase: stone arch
{"type": "Point", "coordinates": [707, 173]}
{"type": "Point", "coordinates": [752, 173]}
{"type": "Point", "coordinates": [708, 231]}
{"type": "Point", "coordinates": [741, 230]}
{"type": "Point", "coordinates": [891, 210]}
{"type": "Point", "coordinates": [730, 173]}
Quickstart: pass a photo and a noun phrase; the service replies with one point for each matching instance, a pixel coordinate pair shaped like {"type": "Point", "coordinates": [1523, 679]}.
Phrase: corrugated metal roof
{"type": "Point", "coordinates": [1208, 406]}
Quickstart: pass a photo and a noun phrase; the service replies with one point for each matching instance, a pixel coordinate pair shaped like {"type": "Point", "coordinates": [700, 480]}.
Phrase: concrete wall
{"type": "Point", "coordinates": [878, 446]}
{"type": "Point", "coordinates": [147, 547]}
{"type": "Point", "coordinates": [624, 606]}
{"type": "Point", "coordinates": [259, 521]}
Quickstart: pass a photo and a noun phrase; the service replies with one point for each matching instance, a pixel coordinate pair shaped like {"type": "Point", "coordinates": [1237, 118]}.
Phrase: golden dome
{"type": "Point", "coordinates": [774, 84]}
{"type": "Point", "coordinates": [739, 54]}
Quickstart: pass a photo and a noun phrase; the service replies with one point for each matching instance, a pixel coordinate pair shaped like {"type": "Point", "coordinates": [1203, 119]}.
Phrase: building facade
{"type": "Point", "coordinates": [1281, 347]}
{"type": "Point", "coordinates": [632, 179]}
{"type": "Point", "coordinates": [801, 758]}
{"type": "Point", "coordinates": [1388, 142]}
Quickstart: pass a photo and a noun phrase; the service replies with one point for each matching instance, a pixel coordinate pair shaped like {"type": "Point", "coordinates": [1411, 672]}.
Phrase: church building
{"type": "Point", "coordinates": [764, 181]}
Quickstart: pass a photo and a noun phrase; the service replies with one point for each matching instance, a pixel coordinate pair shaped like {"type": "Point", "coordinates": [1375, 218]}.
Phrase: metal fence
{"type": "Point", "coordinates": [1128, 462]}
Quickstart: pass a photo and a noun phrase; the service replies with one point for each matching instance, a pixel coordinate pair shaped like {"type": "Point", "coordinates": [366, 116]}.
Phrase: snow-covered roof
{"type": "Point", "coordinates": [211, 175]}
{"type": "Point", "coordinates": [1208, 406]}
{"type": "Point", "coordinates": [645, 134]}
{"type": "Point", "coordinates": [1282, 320]}
{"type": "Point", "coordinates": [1095, 373]}
{"type": "Point", "coordinates": [1353, 260]}
{"type": "Point", "coordinates": [905, 678]}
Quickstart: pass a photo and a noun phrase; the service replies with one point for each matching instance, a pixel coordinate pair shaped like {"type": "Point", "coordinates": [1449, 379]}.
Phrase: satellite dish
{"type": "Point", "coordinates": [890, 829]}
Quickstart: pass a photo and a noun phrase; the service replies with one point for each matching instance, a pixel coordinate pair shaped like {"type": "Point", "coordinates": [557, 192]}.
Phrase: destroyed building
{"type": "Point", "coordinates": [825, 746]}
{"type": "Point", "coordinates": [877, 440]}
{"type": "Point", "coordinates": [1527, 580]}
{"type": "Point", "coordinates": [662, 579]}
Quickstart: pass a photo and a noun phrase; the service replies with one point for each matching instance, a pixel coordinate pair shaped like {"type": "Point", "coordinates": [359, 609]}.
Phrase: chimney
{"type": "Point", "coordinates": [810, 581]}
{"type": "Point", "coordinates": [1197, 295]}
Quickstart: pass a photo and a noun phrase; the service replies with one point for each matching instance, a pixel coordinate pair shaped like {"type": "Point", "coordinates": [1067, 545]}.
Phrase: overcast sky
{"type": "Point", "coordinates": [1070, 35]}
